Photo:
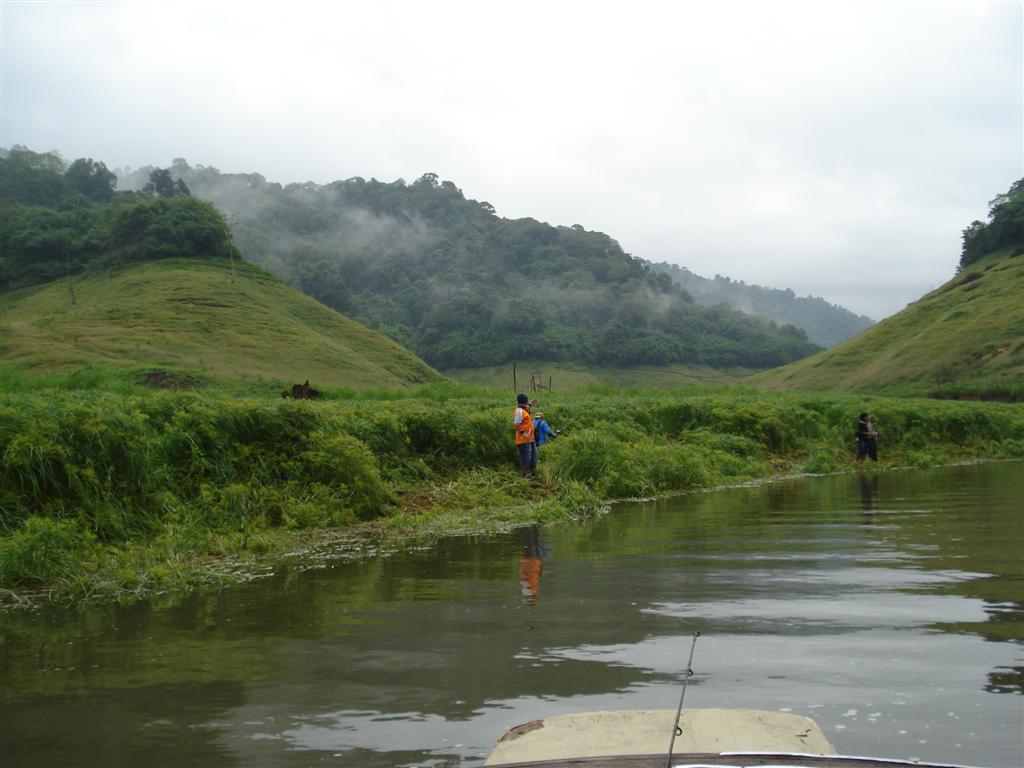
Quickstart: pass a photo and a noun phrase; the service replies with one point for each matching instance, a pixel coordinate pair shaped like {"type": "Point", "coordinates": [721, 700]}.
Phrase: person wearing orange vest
{"type": "Point", "coordinates": [522, 424]}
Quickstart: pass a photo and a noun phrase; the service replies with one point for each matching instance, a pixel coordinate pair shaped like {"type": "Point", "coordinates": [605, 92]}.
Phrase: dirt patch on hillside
{"type": "Point", "coordinates": [169, 380]}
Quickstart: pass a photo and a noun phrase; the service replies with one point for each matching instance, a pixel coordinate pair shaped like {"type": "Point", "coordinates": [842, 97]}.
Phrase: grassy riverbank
{"type": "Point", "coordinates": [115, 495]}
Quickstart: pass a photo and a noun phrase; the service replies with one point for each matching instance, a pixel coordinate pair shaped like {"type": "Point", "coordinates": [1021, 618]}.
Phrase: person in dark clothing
{"type": "Point", "coordinates": [867, 438]}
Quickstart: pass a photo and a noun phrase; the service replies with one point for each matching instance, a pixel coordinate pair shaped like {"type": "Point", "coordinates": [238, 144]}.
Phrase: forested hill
{"type": "Point", "coordinates": [462, 287]}
{"type": "Point", "coordinates": [59, 220]}
{"type": "Point", "coordinates": [826, 324]}
{"type": "Point", "coordinates": [150, 281]}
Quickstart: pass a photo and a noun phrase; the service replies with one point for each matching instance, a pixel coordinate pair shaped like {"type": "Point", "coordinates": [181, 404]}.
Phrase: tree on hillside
{"type": "Point", "coordinates": [32, 178]}
{"type": "Point", "coordinates": [92, 179]}
{"type": "Point", "coordinates": [162, 184]}
{"type": "Point", "coordinates": [178, 227]}
{"type": "Point", "coordinates": [1005, 227]}
{"type": "Point", "coordinates": [429, 180]}
{"type": "Point", "coordinates": [35, 243]}
{"type": "Point", "coordinates": [40, 244]}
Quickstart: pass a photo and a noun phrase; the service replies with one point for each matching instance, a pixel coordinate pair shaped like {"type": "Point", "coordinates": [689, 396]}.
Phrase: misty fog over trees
{"type": "Point", "coordinates": [57, 220]}
{"type": "Point", "coordinates": [462, 287]}
{"type": "Point", "coordinates": [826, 324]}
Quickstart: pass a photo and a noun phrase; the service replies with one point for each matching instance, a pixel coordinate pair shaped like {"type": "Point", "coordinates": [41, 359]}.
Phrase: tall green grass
{"type": "Point", "coordinates": [96, 483]}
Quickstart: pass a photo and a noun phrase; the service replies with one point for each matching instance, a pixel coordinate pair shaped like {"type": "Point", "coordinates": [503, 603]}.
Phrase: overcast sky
{"type": "Point", "coordinates": [835, 148]}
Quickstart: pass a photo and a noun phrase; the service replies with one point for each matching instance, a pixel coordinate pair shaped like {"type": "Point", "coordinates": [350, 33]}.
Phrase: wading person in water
{"type": "Point", "coordinates": [522, 424]}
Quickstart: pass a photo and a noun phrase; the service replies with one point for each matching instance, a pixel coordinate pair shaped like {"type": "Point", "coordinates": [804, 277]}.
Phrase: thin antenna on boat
{"type": "Point", "coordinates": [676, 730]}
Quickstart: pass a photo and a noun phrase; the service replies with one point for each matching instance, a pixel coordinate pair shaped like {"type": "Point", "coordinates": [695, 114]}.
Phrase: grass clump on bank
{"type": "Point", "coordinates": [115, 494]}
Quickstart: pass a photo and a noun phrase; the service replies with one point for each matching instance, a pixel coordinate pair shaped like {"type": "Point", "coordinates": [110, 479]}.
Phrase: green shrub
{"type": "Point", "coordinates": [381, 428]}
{"type": "Point", "coordinates": [43, 551]}
{"type": "Point", "coordinates": [676, 467]}
{"type": "Point", "coordinates": [735, 445]}
{"type": "Point", "coordinates": [585, 457]}
{"type": "Point", "coordinates": [826, 459]}
{"type": "Point", "coordinates": [576, 498]}
{"type": "Point", "coordinates": [1010, 449]}
{"type": "Point", "coordinates": [344, 464]}
{"type": "Point", "coordinates": [612, 468]}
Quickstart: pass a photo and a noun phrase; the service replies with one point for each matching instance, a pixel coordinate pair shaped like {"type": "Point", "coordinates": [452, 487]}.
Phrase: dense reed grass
{"type": "Point", "coordinates": [123, 492]}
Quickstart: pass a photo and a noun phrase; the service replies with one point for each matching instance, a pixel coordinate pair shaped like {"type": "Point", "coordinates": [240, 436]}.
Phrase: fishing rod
{"type": "Point", "coordinates": [676, 730]}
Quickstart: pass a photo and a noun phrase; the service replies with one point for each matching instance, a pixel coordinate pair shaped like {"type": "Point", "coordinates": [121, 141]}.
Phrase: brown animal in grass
{"type": "Point", "coordinates": [302, 392]}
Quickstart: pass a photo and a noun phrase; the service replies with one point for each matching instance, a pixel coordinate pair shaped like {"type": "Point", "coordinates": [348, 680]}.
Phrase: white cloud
{"type": "Point", "coordinates": [835, 148]}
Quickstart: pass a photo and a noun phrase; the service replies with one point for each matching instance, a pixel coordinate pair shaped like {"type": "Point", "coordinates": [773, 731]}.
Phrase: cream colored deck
{"type": "Point", "coordinates": [646, 732]}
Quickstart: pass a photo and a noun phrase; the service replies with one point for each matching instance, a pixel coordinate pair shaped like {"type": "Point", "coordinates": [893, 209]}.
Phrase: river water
{"type": "Point", "coordinates": [887, 606]}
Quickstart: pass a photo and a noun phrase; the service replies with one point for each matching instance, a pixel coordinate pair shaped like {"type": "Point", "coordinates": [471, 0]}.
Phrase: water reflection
{"type": "Point", "coordinates": [531, 563]}
{"type": "Point", "coordinates": [869, 483]}
{"type": "Point", "coordinates": [1006, 680]}
{"type": "Point", "coordinates": [902, 637]}
{"type": "Point", "coordinates": [145, 725]}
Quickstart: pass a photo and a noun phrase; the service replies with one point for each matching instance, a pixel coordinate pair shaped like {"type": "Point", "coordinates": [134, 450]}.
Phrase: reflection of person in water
{"type": "Point", "coordinates": [530, 564]}
{"type": "Point", "coordinates": [868, 491]}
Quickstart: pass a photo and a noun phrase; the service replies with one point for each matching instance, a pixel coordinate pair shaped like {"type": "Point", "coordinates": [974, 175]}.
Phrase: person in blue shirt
{"type": "Point", "coordinates": [542, 430]}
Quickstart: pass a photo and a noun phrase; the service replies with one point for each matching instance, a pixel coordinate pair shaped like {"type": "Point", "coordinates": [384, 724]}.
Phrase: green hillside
{"type": "Point", "coordinates": [567, 377]}
{"type": "Point", "coordinates": [965, 339]}
{"type": "Point", "coordinates": [150, 282]}
{"type": "Point", "coordinates": [203, 318]}
{"type": "Point", "coordinates": [464, 288]}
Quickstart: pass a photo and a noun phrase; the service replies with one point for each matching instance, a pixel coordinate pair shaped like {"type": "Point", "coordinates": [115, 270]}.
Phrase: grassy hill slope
{"type": "Point", "coordinates": [200, 317]}
{"type": "Point", "coordinates": [567, 377]}
{"type": "Point", "coordinates": [965, 339]}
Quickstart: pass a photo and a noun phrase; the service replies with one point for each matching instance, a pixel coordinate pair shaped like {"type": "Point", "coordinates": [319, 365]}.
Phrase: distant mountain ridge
{"type": "Point", "coordinates": [448, 278]}
{"type": "Point", "coordinates": [825, 324]}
